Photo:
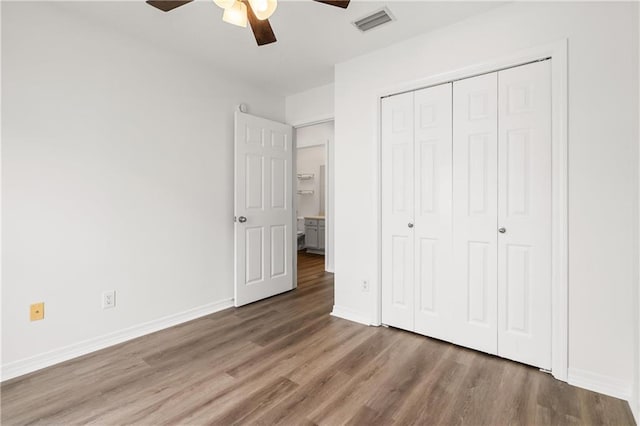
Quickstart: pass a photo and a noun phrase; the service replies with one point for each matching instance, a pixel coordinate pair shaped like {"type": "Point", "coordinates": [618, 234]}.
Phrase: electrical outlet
{"type": "Point", "coordinates": [365, 285]}
{"type": "Point", "coordinates": [109, 299]}
{"type": "Point", "coordinates": [36, 311]}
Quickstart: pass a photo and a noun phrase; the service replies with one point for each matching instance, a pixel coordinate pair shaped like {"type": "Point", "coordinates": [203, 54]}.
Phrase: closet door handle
{"type": "Point", "coordinates": [502, 230]}
{"type": "Point", "coordinates": [242, 219]}
{"type": "Point", "coordinates": [410, 225]}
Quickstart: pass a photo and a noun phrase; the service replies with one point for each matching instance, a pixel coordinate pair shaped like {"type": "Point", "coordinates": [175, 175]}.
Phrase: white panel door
{"type": "Point", "coordinates": [524, 214]}
{"type": "Point", "coordinates": [432, 230]}
{"type": "Point", "coordinates": [474, 284]}
{"type": "Point", "coordinates": [263, 203]}
{"type": "Point", "coordinates": [397, 177]}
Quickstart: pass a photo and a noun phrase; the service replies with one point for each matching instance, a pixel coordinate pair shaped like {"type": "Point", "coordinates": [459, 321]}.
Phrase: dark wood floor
{"type": "Point", "coordinates": [284, 360]}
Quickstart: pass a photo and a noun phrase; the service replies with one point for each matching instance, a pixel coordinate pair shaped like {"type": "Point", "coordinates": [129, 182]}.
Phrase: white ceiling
{"type": "Point", "coordinates": [312, 37]}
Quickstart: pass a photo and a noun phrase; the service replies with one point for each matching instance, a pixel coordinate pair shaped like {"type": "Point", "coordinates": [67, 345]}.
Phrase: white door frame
{"type": "Point", "coordinates": [557, 51]}
{"type": "Point", "coordinates": [329, 194]}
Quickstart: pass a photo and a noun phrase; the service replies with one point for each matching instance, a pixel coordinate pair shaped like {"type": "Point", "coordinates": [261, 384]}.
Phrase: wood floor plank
{"type": "Point", "coordinates": [245, 408]}
{"type": "Point", "coordinates": [293, 409]}
{"type": "Point", "coordinates": [285, 360]}
{"type": "Point", "coordinates": [367, 375]}
{"type": "Point", "coordinates": [392, 392]}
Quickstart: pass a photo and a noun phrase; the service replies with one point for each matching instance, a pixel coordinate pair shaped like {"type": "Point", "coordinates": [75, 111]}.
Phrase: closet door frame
{"type": "Point", "coordinates": [557, 53]}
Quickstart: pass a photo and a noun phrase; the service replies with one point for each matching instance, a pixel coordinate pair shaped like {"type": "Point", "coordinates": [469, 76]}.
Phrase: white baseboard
{"type": "Point", "coordinates": [600, 383]}
{"type": "Point", "coordinates": [47, 359]}
{"type": "Point", "coordinates": [349, 314]}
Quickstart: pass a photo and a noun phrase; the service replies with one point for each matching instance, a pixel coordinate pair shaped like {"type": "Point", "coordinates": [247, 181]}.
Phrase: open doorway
{"type": "Point", "coordinates": [266, 206]}
{"type": "Point", "coordinates": [313, 193]}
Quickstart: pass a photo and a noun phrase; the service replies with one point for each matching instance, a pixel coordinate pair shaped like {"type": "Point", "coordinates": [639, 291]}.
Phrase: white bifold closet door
{"type": "Point", "coordinates": [466, 212]}
{"type": "Point", "coordinates": [416, 193]}
{"type": "Point", "coordinates": [524, 213]}
{"type": "Point", "coordinates": [397, 211]}
{"type": "Point", "coordinates": [432, 210]}
{"type": "Point", "coordinates": [475, 213]}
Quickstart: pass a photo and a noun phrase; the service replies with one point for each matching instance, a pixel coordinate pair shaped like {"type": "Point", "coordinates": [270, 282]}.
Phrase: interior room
{"type": "Point", "coordinates": [320, 212]}
{"type": "Point", "coordinates": [311, 195]}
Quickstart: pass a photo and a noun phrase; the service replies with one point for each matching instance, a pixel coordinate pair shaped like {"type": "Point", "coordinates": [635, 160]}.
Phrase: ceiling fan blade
{"type": "Point", "coordinates": [262, 30]}
{"type": "Point", "coordinates": [167, 5]}
{"type": "Point", "coordinates": [338, 3]}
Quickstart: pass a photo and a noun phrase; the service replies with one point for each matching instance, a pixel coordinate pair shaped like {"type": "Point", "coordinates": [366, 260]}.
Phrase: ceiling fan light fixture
{"type": "Point", "coordinates": [236, 14]}
{"type": "Point", "coordinates": [242, 12]}
{"type": "Point", "coordinates": [263, 9]}
{"type": "Point", "coordinates": [259, 5]}
{"type": "Point", "coordinates": [225, 4]}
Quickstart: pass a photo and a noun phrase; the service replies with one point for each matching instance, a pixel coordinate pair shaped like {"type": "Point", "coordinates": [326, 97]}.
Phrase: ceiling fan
{"type": "Point", "coordinates": [238, 12]}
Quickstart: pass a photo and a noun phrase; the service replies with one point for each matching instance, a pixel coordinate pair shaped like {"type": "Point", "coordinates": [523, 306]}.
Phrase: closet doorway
{"type": "Point", "coordinates": [466, 209]}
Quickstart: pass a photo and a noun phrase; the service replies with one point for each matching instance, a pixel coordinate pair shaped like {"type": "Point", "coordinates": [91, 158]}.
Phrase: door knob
{"type": "Point", "coordinates": [502, 230]}
{"type": "Point", "coordinates": [242, 219]}
{"type": "Point", "coordinates": [410, 225]}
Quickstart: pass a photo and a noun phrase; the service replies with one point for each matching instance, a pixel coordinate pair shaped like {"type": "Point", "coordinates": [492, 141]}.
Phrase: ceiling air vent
{"type": "Point", "coordinates": [374, 20]}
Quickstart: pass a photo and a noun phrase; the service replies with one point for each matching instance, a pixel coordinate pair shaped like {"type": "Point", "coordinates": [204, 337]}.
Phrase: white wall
{"type": "Point", "coordinates": [603, 162]}
{"type": "Point", "coordinates": [313, 105]}
{"type": "Point", "coordinates": [117, 174]}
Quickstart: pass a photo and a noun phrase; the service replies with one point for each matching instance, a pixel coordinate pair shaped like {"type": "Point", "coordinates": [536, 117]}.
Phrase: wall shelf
{"type": "Point", "coordinates": [305, 191]}
{"type": "Point", "coordinates": [305, 176]}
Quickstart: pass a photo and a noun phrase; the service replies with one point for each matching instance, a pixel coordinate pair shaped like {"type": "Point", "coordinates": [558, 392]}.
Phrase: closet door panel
{"type": "Point", "coordinates": [473, 290]}
{"type": "Point", "coordinates": [524, 211]}
{"type": "Point", "coordinates": [397, 177]}
{"type": "Point", "coordinates": [432, 231]}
